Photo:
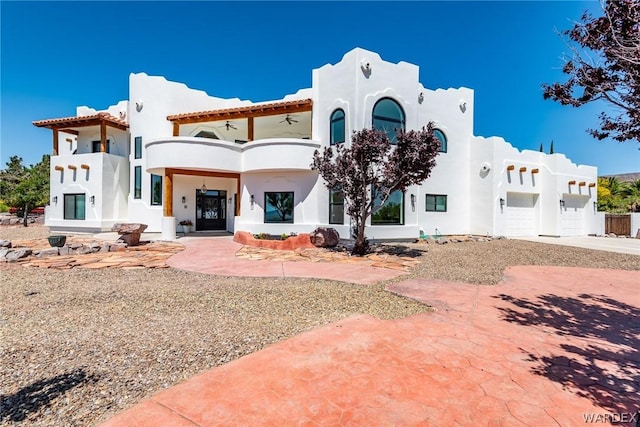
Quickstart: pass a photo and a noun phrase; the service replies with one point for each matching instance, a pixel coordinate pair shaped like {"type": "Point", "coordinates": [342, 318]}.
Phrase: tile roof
{"type": "Point", "coordinates": [249, 110]}
{"type": "Point", "coordinates": [80, 121]}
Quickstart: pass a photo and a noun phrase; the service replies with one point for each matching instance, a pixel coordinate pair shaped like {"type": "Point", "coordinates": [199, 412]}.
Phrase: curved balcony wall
{"type": "Point", "coordinates": [184, 152]}
{"type": "Point", "coordinates": [194, 153]}
{"type": "Point", "coordinates": [278, 154]}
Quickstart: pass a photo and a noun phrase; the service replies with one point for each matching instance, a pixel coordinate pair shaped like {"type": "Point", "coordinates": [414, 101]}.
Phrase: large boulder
{"type": "Point", "coordinates": [129, 228]}
{"type": "Point", "coordinates": [323, 237]}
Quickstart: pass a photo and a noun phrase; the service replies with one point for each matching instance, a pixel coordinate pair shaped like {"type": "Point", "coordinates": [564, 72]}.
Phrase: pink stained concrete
{"type": "Point", "coordinates": [216, 255]}
{"type": "Point", "coordinates": [543, 348]}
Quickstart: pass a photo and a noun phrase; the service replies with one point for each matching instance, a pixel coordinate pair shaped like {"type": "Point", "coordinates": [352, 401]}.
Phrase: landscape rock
{"type": "Point", "coordinates": [15, 255]}
{"type": "Point", "coordinates": [443, 240]}
{"type": "Point", "coordinates": [47, 252]}
{"type": "Point", "coordinates": [323, 237]}
{"type": "Point", "coordinates": [129, 232]}
{"type": "Point", "coordinates": [117, 247]}
{"type": "Point", "coordinates": [5, 221]}
{"type": "Point", "coordinates": [3, 253]}
{"type": "Point", "coordinates": [5, 243]}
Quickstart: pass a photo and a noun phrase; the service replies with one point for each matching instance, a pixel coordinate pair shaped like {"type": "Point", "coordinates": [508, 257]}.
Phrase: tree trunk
{"type": "Point", "coordinates": [26, 212]}
{"type": "Point", "coordinates": [361, 246]}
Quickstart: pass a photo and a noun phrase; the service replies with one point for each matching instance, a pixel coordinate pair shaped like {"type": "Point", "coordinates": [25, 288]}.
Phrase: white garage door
{"type": "Point", "coordinates": [521, 214]}
{"type": "Point", "coordinates": [572, 215]}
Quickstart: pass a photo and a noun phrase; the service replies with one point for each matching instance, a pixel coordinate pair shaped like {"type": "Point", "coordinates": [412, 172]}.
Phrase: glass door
{"type": "Point", "coordinates": [211, 212]}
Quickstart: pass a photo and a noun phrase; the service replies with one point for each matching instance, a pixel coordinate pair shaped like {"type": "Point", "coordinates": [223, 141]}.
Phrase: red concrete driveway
{"type": "Point", "coordinates": [549, 346]}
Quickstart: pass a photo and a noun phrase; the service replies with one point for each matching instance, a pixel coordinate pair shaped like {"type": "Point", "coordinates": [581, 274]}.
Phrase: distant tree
{"type": "Point", "coordinates": [605, 65]}
{"type": "Point", "coordinates": [372, 168]}
{"type": "Point", "coordinates": [615, 196]}
{"type": "Point", "coordinates": [11, 176]}
{"type": "Point", "coordinates": [26, 188]}
{"type": "Point", "coordinates": [631, 193]}
{"type": "Point", "coordinates": [541, 148]}
{"type": "Point", "coordinates": [551, 148]}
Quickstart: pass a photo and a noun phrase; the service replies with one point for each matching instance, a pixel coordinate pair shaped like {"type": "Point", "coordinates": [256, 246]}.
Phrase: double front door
{"type": "Point", "coordinates": [211, 210]}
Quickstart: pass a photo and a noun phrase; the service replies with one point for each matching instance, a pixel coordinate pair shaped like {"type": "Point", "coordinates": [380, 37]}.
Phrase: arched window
{"type": "Point", "coordinates": [337, 127]}
{"type": "Point", "coordinates": [443, 140]}
{"type": "Point", "coordinates": [388, 117]}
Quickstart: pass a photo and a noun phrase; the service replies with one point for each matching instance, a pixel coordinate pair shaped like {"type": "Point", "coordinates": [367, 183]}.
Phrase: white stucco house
{"type": "Point", "coordinates": [171, 153]}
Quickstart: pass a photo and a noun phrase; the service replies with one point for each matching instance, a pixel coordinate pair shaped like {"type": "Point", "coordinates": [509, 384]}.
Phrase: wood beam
{"type": "Point", "coordinates": [592, 184]}
{"type": "Point", "coordinates": [250, 125]}
{"type": "Point", "coordinates": [103, 136]}
{"type": "Point", "coordinates": [55, 141]}
{"type": "Point", "coordinates": [211, 174]}
{"type": "Point", "coordinates": [510, 167]}
{"type": "Point", "coordinates": [176, 129]}
{"type": "Point", "coordinates": [582, 184]}
{"type": "Point", "coordinates": [72, 167]}
{"type": "Point", "coordinates": [84, 166]}
{"type": "Point", "coordinates": [168, 193]}
{"type": "Point", "coordinates": [239, 195]}
{"type": "Point", "coordinates": [59, 168]}
{"type": "Point", "coordinates": [70, 131]}
{"type": "Point", "coordinates": [572, 182]}
{"type": "Point", "coordinates": [536, 170]}
{"type": "Point", "coordinates": [523, 169]}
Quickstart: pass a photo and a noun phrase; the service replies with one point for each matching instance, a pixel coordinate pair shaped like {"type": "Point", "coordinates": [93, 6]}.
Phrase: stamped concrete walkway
{"type": "Point", "coordinates": [217, 255]}
{"type": "Point", "coordinates": [549, 346]}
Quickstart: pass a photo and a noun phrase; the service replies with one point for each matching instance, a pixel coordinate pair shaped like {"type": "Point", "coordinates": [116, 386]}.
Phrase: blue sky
{"type": "Point", "coordinates": [58, 55]}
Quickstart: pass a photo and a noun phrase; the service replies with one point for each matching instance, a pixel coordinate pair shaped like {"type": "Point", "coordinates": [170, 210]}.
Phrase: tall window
{"type": "Point", "coordinates": [74, 206]}
{"type": "Point", "coordinates": [137, 185]}
{"type": "Point", "coordinates": [156, 190]}
{"type": "Point", "coordinates": [278, 207]}
{"type": "Point", "coordinates": [392, 212]}
{"type": "Point", "coordinates": [336, 205]}
{"type": "Point", "coordinates": [95, 146]}
{"type": "Point", "coordinates": [436, 203]}
{"type": "Point", "coordinates": [137, 147]}
{"type": "Point", "coordinates": [337, 127]}
{"type": "Point", "coordinates": [442, 138]}
{"type": "Point", "coordinates": [388, 117]}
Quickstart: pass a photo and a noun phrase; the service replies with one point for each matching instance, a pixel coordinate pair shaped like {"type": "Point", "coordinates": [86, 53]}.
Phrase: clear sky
{"type": "Point", "coordinates": [58, 55]}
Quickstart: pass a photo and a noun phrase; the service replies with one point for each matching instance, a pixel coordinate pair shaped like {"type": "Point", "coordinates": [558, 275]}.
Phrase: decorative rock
{"type": "Point", "coordinates": [47, 252]}
{"type": "Point", "coordinates": [3, 253]}
{"type": "Point", "coordinates": [105, 247]}
{"type": "Point", "coordinates": [17, 254]}
{"type": "Point", "coordinates": [443, 240]}
{"type": "Point", "coordinates": [5, 243]}
{"type": "Point", "coordinates": [82, 250]}
{"type": "Point", "coordinates": [129, 233]}
{"type": "Point", "coordinates": [638, 234]}
{"type": "Point", "coordinates": [323, 237]}
{"type": "Point", "coordinates": [117, 247]}
{"type": "Point", "coordinates": [5, 221]}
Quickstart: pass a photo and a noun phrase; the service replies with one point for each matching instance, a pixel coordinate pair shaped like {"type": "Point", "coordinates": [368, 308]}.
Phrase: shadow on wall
{"type": "Point", "coordinates": [605, 367]}
{"type": "Point", "coordinates": [32, 398]}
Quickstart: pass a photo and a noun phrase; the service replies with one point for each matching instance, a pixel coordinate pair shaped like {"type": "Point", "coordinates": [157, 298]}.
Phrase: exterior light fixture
{"type": "Point", "coordinates": [203, 189]}
{"type": "Point", "coordinates": [55, 200]}
{"type": "Point", "coordinates": [595, 206]}
{"type": "Point", "coordinates": [561, 203]}
{"type": "Point", "coordinates": [421, 97]}
{"type": "Point", "coordinates": [413, 202]}
{"type": "Point", "coordinates": [502, 201]}
{"type": "Point", "coordinates": [184, 199]}
{"type": "Point", "coordinates": [93, 200]}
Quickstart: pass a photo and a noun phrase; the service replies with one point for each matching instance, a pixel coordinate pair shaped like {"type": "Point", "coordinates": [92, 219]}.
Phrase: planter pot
{"type": "Point", "coordinates": [187, 228]}
{"type": "Point", "coordinates": [57, 241]}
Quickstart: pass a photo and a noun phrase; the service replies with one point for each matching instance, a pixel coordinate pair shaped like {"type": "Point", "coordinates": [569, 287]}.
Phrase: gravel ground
{"type": "Point", "coordinates": [79, 346]}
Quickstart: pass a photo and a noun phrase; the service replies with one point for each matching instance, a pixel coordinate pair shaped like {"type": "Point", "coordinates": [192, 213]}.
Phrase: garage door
{"type": "Point", "coordinates": [572, 215]}
{"type": "Point", "coordinates": [521, 214]}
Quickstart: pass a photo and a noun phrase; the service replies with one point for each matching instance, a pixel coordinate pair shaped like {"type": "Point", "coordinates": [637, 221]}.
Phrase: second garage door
{"type": "Point", "coordinates": [521, 214]}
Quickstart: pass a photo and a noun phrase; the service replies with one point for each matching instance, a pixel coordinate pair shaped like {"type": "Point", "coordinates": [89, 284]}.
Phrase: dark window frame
{"type": "Point", "coordinates": [443, 144]}
{"type": "Point", "coordinates": [332, 204]}
{"type": "Point", "coordinates": [137, 182]}
{"type": "Point", "coordinates": [434, 204]}
{"type": "Point", "coordinates": [75, 196]}
{"type": "Point", "coordinates": [155, 201]}
{"type": "Point", "coordinates": [333, 121]}
{"type": "Point", "coordinates": [97, 144]}
{"type": "Point", "coordinates": [402, 121]}
{"type": "Point", "coordinates": [266, 203]}
{"type": "Point", "coordinates": [401, 218]}
{"type": "Point", "coordinates": [137, 147]}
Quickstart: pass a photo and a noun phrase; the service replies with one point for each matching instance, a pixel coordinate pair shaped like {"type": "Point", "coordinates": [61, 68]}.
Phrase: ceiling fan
{"type": "Point", "coordinates": [289, 119]}
{"type": "Point", "coordinates": [229, 125]}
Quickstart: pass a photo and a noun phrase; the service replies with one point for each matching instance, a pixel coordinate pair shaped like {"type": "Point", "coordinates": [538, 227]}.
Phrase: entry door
{"type": "Point", "coordinates": [211, 212]}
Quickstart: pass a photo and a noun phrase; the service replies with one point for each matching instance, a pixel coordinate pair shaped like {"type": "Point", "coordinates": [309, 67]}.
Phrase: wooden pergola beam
{"type": "Point", "coordinates": [263, 110]}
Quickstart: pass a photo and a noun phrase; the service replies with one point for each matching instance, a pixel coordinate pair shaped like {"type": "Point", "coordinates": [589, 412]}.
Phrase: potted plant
{"type": "Point", "coordinates": [186, 225]}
